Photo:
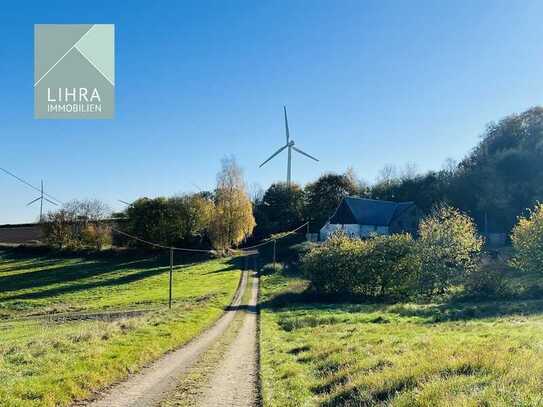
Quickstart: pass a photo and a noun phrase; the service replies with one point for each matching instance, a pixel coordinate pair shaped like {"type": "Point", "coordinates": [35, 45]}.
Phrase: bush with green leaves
{"type": "Point", "coordinates": [394, 263]}
{"type": "Point", "coordinates": [446, 254]}
{"type": "Point", "coordinates": [271, 268]}
{"type": "Point", "coordinates": [375, 267]}
{"type": "Point", "coordinates": [527, 239]}
{"type": "Point", "coordinates": [448, 249]}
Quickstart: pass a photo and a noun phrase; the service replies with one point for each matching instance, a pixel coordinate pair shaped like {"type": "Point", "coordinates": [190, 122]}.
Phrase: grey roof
{"type": "Point", "coordinates": [364, 211]}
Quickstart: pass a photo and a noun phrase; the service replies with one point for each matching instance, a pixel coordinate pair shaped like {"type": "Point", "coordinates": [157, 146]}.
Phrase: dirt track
{"type": "Point", "coordinates": [234, 382]}
{"type": "Point", "coordinates": [232, 378]}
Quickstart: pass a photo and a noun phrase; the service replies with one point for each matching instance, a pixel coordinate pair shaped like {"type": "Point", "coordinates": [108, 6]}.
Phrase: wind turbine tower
{"type": "Point", "coordinates": [290, 146]}
{"type": "Point", "coordinates": [41, 198]}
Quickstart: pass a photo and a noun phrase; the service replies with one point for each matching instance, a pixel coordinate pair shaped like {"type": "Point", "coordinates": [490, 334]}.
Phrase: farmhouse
{"type": "Point", "coordinates": [360, 217]}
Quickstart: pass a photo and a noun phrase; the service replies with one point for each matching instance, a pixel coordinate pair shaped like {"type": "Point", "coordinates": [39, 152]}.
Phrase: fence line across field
{"type": "Point", "coordinates": [249, 250]}
{"type": "Point", "coordinates": [210, 251]}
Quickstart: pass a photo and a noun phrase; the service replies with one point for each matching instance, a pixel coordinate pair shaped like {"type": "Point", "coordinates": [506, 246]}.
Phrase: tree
{"type": "Point", "coordinates": [88, 209]}
{"type": "Point", "coordinates": [58, 228]}
{"type": "Point", "coordinates": [324, 195]}
{"type": "Point", "coordinates": [79, 223]}
{"type": "Point", "coordinates": [494, 183]}
{"type": "Point", "coordinates": [194, 215]}
{"type": "Point", "coordinates": [425, 190]}
{"type": "Point", "coordinates": [448, 246]}
{"type": "Point", "coordinates": [527, 239]}
{"type": "Point", "coordinates": [96, 235]}
{"type": "Point", "coordinates": [281, 208]}
{"type": "Point", "coordinates": [149, 219]}
{"type": "Point", "coordinates": [232, 219]}
{"type": "Point", "coordinates": [170, 221]}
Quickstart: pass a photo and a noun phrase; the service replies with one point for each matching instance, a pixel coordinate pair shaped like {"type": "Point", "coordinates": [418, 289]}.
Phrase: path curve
{"type": "Point", "coordinates": [155, 382]}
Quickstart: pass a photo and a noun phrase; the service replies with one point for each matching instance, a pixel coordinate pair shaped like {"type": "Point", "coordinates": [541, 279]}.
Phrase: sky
{"type": "Point", "coordinates": [366, 84]}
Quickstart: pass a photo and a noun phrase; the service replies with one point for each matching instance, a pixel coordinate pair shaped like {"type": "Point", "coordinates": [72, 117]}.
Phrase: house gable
{"type": "Point", "coordinates": [343, 215]}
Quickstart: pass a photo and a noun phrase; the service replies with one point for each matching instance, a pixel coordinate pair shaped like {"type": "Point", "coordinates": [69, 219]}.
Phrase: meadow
{"type": "Point", "coordinates": [451, 353]}
{"type": "Point", "coordinates": [70, 326]}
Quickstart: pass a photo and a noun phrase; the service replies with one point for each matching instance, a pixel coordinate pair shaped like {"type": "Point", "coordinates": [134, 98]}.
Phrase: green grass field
{"type": "Point", "coordinates": [71, 326]}
{"type": "Point", "coordinates": [456, 354]}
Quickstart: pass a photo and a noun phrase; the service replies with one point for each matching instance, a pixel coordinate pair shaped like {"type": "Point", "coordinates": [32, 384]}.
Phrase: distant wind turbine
{"type": "Point", "coordinates": [41, 198]}
{"type": "Point", "coordinates": [290, 145]}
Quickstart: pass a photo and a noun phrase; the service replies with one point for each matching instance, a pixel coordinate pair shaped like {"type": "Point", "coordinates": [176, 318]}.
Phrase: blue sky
{"type": "Point", "coordinates": [366, 83]}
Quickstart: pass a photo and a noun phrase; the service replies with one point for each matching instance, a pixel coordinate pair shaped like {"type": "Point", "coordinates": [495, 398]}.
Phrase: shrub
{"type": "Point", "coordinates": [270, 268]}
{"type": "Point", "coordinates": [78, 224]}
{"type": "Point", "coordinates": [96, 235]}
{"type": "Point", "coordinates": [58, 228]}
{"type": "Point", "coordinates": [448, 247]}
{"type": "Point", "coordinates": [486, 281]}
{"type": "Point", "coordinates": [394, 263]}
{"type": "Point", "coordinates": [380, 266]}
{"type": "Point", "coordinates": [527, 239]}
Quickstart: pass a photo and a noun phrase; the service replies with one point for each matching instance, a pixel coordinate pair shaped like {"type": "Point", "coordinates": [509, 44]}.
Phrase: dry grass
{"type": "Point", "coordinates": [463, 354]}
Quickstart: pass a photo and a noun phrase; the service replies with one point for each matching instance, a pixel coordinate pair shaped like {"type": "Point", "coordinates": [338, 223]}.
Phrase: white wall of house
{"type": "Point", "coordinates": [353, 230]}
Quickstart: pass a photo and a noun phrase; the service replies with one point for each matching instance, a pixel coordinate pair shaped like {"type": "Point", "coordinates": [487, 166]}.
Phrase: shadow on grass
{"type": "Point", "coordinates": [35, 270]}
{"type": "Point", "coordinates": [223, 270]}
{"type": "Point", "coordinates": [67, 273]}
{"type": "Point", "coordinates": [25, 264]}
{"type": "Point", "coordinates": [456, 309]}
{"type": "Point", "coordinates": [71, 288]}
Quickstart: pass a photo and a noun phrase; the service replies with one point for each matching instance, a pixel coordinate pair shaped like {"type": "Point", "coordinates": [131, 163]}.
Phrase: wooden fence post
{"type": "Point", "coordinates": [171, 278]}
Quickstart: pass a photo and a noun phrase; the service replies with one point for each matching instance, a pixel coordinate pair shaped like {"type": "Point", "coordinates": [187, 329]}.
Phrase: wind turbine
{"type": "Point", "coordinates": [41, 198]}
{"type": "Point", "coordinates": [290, 145]}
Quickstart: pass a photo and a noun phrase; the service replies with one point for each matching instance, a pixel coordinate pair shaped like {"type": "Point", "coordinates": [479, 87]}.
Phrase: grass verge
{"type": "Point", "coordinates": [49, 361]}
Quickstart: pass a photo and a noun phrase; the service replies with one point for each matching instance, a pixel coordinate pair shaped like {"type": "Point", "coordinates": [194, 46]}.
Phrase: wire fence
{"type": "Point", "coordinates": [246, 251]}
{"type": "Point", "coordinates": [265, 242]}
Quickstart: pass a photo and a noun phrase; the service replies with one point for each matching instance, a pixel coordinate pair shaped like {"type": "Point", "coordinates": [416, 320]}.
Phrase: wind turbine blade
{"type": "Point", "coordinates": [301, 152]}
{"type": "Point", "coordinates": [51, 202]}
{"type": "Point", "coordinates": [124, 202]}
{"type": "Point", "coordinates": [35, 200]}
{"type": "Point", "coordinates": [286, 124]}
{"type": "Point", "coordinates": [273, 155]}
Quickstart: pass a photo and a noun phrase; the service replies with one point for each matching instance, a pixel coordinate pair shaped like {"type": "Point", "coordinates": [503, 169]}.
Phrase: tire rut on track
{"type": "Point", "coordinates": [156, 381]}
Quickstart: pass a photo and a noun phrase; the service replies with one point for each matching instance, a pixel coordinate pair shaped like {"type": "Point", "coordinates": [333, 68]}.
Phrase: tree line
{"type": "Point", "coordinates": [219, 220]}
{"type": "Point", "coordinates": [493, 184]}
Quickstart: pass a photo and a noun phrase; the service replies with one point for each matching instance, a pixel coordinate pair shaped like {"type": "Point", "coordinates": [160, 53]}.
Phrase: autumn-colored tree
{"type": "Point", "coordinates": [232, 219]}
{"type": "Point", "coordinates": [79, 223]}
{"type": "Point", "coordinates": [527, 239]}
{"type": "Point", "coordinates": [448, 245]}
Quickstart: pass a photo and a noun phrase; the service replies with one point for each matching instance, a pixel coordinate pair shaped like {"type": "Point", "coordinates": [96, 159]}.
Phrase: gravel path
{"type": "Point", "coordinates": [234, 382]}
{"type": "Point", "coordinates": [156, 381]}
